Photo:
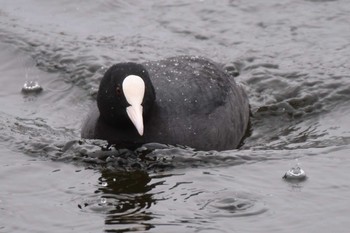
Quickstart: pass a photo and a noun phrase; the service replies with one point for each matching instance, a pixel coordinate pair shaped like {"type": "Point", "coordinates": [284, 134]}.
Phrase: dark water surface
{"type": "Point", "coordinates": [293, 59]}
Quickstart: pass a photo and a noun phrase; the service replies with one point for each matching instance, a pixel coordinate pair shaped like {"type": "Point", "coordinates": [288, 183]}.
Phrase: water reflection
{"type": "Point", "coordinates": [128, 198]}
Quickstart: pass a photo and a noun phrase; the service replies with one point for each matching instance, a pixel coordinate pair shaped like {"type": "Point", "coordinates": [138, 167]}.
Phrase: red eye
{"type": "Point", "coordinates": [118, 90]}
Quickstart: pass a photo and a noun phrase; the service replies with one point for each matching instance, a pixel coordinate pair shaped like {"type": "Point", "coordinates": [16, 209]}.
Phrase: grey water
{"type": "Point", "coordinates": [293, 58]}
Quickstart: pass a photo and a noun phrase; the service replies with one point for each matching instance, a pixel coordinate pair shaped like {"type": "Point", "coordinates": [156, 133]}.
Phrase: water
{"type": "Point", "coordinates": [292, 57]}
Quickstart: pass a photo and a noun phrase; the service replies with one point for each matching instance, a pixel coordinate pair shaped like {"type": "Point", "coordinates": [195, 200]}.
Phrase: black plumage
{"type": "Point", "coordinates": [188, 100]}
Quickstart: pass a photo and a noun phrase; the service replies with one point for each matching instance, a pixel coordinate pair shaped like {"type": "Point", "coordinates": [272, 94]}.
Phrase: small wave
{"type": "Point", "coordinates": [286, 107]}
{"type": "Point", "coordinates": [239, 206]}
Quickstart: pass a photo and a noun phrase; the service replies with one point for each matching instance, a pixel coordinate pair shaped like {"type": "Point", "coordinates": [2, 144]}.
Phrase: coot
{"type": "Point", "coordinates": [186, 100]}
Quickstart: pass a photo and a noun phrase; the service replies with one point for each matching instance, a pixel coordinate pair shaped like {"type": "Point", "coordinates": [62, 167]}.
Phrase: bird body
{"type": "Point", "coordinates": [188, 100]}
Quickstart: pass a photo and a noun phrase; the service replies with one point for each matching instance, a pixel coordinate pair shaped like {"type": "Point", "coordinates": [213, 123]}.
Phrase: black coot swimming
{"type": "Point", "coordinates": [185, 100]}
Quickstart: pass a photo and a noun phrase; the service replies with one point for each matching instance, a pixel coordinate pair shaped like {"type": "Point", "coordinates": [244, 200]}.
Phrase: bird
{"type": "Point", "coordinates": [189, 101]}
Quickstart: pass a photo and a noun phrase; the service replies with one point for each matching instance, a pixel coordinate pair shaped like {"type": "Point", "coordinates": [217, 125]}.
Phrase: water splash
{"type": "Point", "coordinates": [296, 173]}
{"type": "Point", "coordinates": [30, 87]}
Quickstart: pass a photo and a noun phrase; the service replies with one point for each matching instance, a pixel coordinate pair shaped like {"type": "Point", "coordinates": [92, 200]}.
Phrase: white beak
{"type": "Point", "coordinates": [134, 91]}
{"type": "Point", "coordinates": [135, 115]}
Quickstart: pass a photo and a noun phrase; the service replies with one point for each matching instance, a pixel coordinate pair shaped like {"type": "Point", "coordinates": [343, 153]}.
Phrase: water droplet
{"type": "Point", "coordinates": [295, 173]}
{"type": "Point", "coordinates": [104, 184]}
{"type": "Point", "coordinates": [31, 87]}
{"type": "Point", "coordinates": [103, 200]}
